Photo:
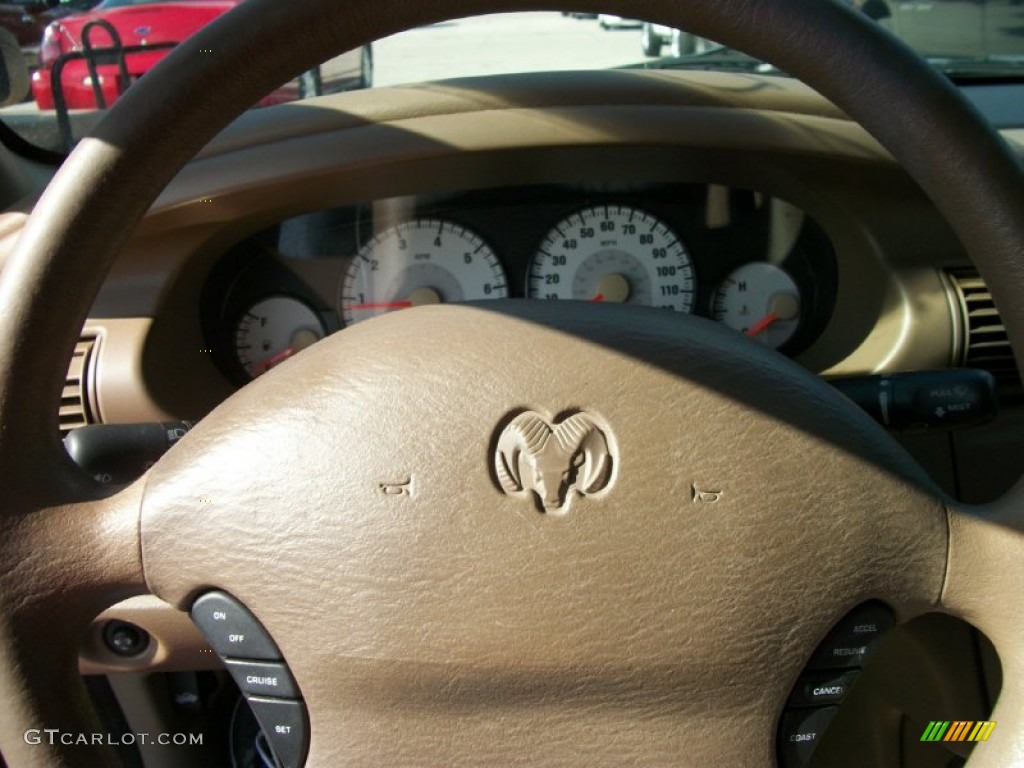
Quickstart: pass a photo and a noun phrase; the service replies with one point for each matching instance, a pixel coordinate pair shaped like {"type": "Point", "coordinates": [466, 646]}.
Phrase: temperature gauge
{"type": "Point", "coordinates": [761, 301]}
{"type": "Point", "coordinates": [274, 329]}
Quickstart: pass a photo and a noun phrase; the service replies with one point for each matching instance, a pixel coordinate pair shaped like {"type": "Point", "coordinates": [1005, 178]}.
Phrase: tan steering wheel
{"type": "Point", "coordinates": [451, 622]}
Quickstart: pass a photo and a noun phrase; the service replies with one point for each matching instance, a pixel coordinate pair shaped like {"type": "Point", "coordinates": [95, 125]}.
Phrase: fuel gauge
{"type": "Point", "coordinates": [274, 329]}
{"type": "Point", "coordinates": [761, 301]}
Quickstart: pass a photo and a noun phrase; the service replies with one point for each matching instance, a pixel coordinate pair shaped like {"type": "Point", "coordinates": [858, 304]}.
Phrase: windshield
{"type": "Point", "coordinates": [973, 39]}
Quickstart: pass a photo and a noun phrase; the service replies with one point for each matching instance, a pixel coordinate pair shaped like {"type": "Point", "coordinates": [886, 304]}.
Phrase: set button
{"type": "Point", "coordinates": [285, 726]}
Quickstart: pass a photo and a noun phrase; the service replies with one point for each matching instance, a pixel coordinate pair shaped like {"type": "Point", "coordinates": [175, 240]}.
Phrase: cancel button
{"type": "Point", "coordinates": [263, 678]}
{"type": "Point", "coordinates": [815, 690]}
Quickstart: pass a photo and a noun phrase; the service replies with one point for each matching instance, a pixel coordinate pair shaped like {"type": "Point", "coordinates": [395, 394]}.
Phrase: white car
{"type": "Point", "coordinates": [610, 21]}
{"type": "Point", "coordinates": [654, 36]}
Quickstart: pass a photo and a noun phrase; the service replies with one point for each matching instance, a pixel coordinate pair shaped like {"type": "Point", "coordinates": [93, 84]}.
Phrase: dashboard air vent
{"type": "Point", "coordinates": [985, 343]}
{"type": "Point", "coordinates": [74, 401]}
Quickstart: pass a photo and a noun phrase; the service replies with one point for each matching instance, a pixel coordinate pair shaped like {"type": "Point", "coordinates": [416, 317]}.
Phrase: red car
{"type": "Point", "coordinates": [27, 19]}
{"type": "Point", "coordinates": [156, 23]}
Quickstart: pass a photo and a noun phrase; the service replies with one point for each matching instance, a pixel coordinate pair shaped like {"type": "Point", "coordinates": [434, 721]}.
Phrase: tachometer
{"type": "Point", "coordinates": [423, 261]}
{"type": "Point", "coordinates": [614, 253]}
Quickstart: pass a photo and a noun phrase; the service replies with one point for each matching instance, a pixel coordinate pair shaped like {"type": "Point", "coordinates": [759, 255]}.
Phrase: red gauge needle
{"type": "Point", "coordinates": [599, 297]}
{"type": "Point", "coordinates": [762, 324]}
{"type": "Point", "coordinates": [269, 363]}
{"type": "Point", "coordinates": [384, 305]}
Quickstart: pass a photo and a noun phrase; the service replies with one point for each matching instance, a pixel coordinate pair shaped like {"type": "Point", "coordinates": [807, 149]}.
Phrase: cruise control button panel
{"type": "Point", "coordinates": [831, 673]}
{"type": "Point", "coordinates": [259, 669]}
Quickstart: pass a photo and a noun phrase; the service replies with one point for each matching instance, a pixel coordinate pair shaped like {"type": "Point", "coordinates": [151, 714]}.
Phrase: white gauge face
{"type": "Point", "coordinates": [614, 253]}
{"type": "Point", "coordinates": [424, 261]}
{"type": "Point", "coordinates": [274, 329]}
{"type": "Point", "coordinates": [761, 301]}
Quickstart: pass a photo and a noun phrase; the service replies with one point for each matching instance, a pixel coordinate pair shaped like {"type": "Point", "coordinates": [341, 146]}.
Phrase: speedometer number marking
{"type": "Point", "coordinates": [614, 253]}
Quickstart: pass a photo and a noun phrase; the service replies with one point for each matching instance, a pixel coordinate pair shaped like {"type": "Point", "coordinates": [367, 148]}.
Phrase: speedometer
{"type": "Point", "coordinates": [424, 261]}
{"type": "Point", "coordinates": [614, 253]}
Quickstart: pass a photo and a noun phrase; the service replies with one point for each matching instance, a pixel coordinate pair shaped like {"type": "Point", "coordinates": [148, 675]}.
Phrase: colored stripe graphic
{"type": "Point", "coordinates": [987, 726]}
{"type": "Point", "coordinates": [958, 730]}
{"type": "Point", "coordinates": [935, 731]}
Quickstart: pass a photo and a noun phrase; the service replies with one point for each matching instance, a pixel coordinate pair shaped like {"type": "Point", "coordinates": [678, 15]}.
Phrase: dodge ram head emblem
{"type": "Point", "coordinates": [551, 460]}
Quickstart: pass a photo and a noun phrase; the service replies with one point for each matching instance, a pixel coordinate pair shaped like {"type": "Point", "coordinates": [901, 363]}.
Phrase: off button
{"type": "Point", "coordinates": [231, 629]}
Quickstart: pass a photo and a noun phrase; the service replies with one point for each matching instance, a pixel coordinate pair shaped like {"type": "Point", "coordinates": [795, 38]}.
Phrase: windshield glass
{"type": "Point", "coordinates": [973, 39]}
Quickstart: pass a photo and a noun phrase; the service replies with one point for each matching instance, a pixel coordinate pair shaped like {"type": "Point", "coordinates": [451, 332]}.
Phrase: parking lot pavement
{"type": "Point", "coordinates": [522, 42]}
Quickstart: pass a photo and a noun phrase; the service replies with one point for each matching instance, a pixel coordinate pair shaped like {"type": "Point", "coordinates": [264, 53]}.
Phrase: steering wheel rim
{"type": "Point", "coordinates": [66, 249]}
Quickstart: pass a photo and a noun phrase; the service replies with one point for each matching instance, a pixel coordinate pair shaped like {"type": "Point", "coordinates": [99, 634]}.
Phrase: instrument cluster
{"type": "Point", "coordinates": [753, 262]}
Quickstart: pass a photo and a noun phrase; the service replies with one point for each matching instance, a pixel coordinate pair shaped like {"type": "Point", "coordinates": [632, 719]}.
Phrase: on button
{"type": "Point", "coordinates": [231, 629]}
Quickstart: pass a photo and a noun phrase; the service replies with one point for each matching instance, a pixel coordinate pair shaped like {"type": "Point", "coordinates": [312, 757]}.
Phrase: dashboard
{"type": "Point", "coordinates": [742, 199]}
{"type": "Point", "coordinates": [748, 260]}
{"type": "Point", "coordinates": [736, 198]}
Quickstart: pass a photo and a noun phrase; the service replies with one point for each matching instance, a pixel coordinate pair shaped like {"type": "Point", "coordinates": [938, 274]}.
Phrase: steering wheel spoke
{"type": "Point", "coordinates": [62, 564]}
{"type": "Point", "coordinates": [983, 585]}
